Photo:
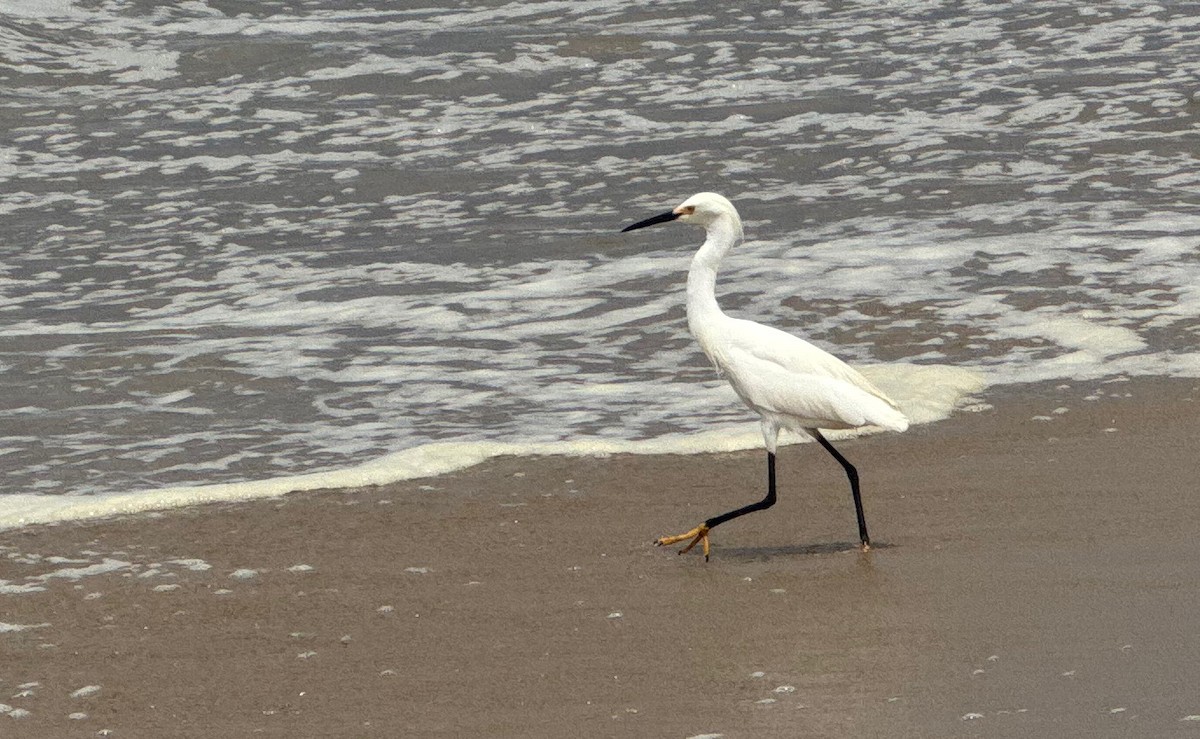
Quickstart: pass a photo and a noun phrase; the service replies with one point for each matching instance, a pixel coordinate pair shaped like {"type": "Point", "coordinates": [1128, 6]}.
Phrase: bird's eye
{"type": "Point", "coordinates": [689, 210]}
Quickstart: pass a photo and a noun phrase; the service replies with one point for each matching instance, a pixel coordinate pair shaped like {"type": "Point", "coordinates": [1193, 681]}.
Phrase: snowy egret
{"type": "Point", "coordinates": [789, 382]}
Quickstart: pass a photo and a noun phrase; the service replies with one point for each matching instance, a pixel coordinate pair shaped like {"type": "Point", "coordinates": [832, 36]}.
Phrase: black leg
{"type": "Point", "coordinates": [853, 475]}
{"type": "Point", "coordinates": [763, 504]}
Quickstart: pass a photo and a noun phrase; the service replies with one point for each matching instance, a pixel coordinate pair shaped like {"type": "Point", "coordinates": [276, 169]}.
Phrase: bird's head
{"type": "Point", "coordinates": [702, 209]}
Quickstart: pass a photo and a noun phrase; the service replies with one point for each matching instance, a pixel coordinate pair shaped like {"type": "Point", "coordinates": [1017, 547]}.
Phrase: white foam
{"type": "Point", "coordinates": [86, 691]}
{"type": "Point", "coordinates": [9, 628]}
{"type": "Point", "coordinates": [8, 588]}
{"type": "Point", "coordinates": [78, 573]}
{"type": "Point", "coordinates": [925, 393]}
{"type": "Point", "coordinates": [17, 713]}
{"type": "Point", "coordinates": [195, 565]}
{"type": "Point", "coordinates": [1099, 340]}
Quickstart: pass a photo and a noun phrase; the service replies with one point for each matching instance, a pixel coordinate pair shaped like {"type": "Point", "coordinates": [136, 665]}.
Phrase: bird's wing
{"type": "Point", "coordinates": [806, 399]}
{"type": "Point", "coordinates": [795, 355]}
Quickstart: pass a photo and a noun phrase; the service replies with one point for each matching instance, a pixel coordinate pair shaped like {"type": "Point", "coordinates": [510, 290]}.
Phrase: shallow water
{"type": "Point", "coordinates": [243, 241]}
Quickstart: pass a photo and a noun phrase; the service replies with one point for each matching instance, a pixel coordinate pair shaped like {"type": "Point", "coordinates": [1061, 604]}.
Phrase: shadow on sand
{"type": "Point", "coordinates": [763, 554]}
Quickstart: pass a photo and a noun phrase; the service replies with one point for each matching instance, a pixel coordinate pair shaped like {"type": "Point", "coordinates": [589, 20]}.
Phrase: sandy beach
{"type": "Point", "coordinates": [1035, 574]}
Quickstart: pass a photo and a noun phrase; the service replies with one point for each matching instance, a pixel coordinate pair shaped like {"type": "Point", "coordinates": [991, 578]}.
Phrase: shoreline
{"type": "Point", "coordinates": [930, 393]}
{"type": "Point", "coordinates": [1032, 575]}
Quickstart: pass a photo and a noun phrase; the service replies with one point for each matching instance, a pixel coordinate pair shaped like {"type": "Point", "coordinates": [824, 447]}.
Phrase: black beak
{"type": "Point", "coordinates": [661, 218]}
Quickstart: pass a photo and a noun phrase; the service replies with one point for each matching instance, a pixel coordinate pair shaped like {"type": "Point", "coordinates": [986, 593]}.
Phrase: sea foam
{"type": "Point", "coordinates": [925, 393]}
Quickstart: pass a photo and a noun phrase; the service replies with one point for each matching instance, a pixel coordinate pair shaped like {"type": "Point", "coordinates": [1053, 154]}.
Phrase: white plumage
{"type": "Point", "coordinates": [793, 383]}
{"type": "Point", "coordinates": [786, 380]}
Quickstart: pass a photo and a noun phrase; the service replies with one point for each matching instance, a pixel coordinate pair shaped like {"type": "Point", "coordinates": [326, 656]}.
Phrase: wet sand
{"type": "Point", "coordinates": [1036, 573]}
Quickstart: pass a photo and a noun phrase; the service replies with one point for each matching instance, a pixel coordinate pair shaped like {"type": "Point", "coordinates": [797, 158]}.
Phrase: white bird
{"type": "Point", "coordinates": [787, 381]}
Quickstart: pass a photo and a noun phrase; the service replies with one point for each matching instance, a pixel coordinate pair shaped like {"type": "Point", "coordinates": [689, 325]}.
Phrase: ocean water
{"type": "Point", "coordinates": [301, 244]}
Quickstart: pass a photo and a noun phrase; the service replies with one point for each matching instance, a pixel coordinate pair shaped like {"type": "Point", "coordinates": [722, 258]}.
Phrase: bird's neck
{"type": "Point", "coordinates": [702, 309]}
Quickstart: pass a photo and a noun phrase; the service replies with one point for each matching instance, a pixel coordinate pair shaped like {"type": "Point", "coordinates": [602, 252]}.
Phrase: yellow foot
{"type": "Point", "coordinates": [698, 534]}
